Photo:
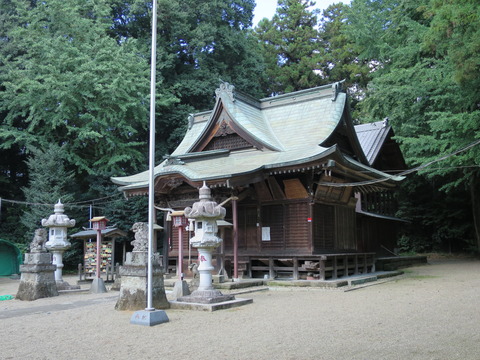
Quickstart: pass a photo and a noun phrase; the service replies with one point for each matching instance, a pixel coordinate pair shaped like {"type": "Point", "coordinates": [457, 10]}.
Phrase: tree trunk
{"type": "Point", "coordinates": [475, 195]}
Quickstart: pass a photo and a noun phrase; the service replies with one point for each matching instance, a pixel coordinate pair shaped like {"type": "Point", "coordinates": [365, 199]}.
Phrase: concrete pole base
{"type": "Point", "coordinates": [98, 286]}
{"type": "Point", "coordinates": [149, 317]}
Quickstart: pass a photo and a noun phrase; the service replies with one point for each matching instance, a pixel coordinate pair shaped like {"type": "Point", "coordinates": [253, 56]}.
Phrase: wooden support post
{"type": "Point", "coordinates": [271, 271]}
{"type": "Point", "coordinates": [155, 232]}
{"type": "Point", "coordinates": [107, 272]}
{"type": "Point", "coordinates": [322, 267]}
{"type": "Point", "coordinates": [112, 254]}
{"type": "Point", "coordinates": [235, 238]}
{"type": "Point", "coordinates": [356, 265]}
{"type": "Point", "coordinates": [180, 253]}
{"type": "Point", "coordinates": [166, 244]}
{"type": "Point", "coordinates": [80, 271]}
{"type": "Point", "coordinates": [295, 268]}
{"type": "Point", "coordinates": [334, 272]}
{"type": "Point", "coordinates": [98, 255]}
{"type": "Point", "coordinates": [221, 255]}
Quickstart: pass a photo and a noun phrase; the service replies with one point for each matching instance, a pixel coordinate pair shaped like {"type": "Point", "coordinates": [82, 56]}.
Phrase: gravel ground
{"type": "Point", "coordinates": [432, 312]}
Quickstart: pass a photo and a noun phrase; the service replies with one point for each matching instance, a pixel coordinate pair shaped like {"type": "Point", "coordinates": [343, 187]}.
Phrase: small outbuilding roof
{"type": "Point", "coordinates": [378, 144]}
{"type": "Point", "coordinates": [90, 233]}
{"type": "Point", "coordinates": [371, 137]}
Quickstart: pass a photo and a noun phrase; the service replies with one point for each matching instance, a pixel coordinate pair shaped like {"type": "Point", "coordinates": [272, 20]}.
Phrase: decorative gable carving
{"type": "Point", "coordinates": [224, 130]}
{"type": "Point", "coordinates": [227, 138]}
{"type": "Point", "coordinates": [223, 133]}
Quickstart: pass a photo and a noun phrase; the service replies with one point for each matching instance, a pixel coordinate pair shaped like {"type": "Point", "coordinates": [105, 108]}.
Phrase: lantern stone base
{"type": "Point", "coordinates": [206, 297]}
{"type": "Point", "coordinates": [63, 285]}
{"type": "Point", "coordinates": [133, 289]}
{"type": "Point", "coordinates": [209, 307]}
{"type": "Point", "coordinates": [37, 280]}
{"type": "Point", "coordinates": [117, 283]}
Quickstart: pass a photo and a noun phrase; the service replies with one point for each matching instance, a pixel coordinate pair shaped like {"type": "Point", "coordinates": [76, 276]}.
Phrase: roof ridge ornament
{"type": "Point", "coordinates": [226, 88]}
{"type": "Point", "coordinates": [385, 122]}
{"type": "Point", "coordinates": [336, 88]}
{"type": "Point", "coordinates": [191, 120]}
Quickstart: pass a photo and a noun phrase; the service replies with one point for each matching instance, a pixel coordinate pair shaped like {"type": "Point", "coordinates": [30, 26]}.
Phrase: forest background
{"type": "Point", "coordinates": [74, 97]}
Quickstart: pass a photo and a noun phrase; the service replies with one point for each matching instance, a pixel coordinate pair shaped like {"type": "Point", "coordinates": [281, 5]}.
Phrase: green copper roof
{"type": "Point", "coordinates": [289, 129]}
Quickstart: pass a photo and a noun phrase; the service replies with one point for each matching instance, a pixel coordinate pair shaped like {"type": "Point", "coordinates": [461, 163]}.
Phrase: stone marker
{"type": "Point", "coordinates": [37, 280]}
{"type": "Point", "coordinates": [180, 288]}
{"type": "Point", "coordinates": [133, 289]}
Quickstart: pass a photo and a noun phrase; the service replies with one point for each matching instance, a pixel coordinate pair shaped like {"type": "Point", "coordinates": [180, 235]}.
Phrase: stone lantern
{"type": "Point", "coordinates": [205, 212]}
{"type": "Point", "coordinates": [57, 243]}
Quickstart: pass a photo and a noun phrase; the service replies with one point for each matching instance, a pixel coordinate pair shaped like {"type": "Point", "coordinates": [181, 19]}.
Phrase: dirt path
{"type": "Point", "coordinates": [430, 313]}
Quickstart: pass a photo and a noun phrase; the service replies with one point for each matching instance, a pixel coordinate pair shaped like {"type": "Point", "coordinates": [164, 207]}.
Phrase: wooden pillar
{"type": "Point", "coordinates": [310, 227]}
{"type": "Point", "coordinates": [221, 256]}
{"type": "Point", "coordinates": [322, 261]}
{"type": "Point", "coordinates": [154, 245]}
{"type": "Point", "coordinates": [112, 255]}
{"type": "Point", "coordinates": [334, 273]}
{"type": "Point", "coordinates": [180, 253]}
{"type": "Point", "coordinates": [271, 270]}
{"type": "Point", "coordinates": [235, 238]}
{"type": "Point", "coordinates": [85, 257]}
{"type": "Point", "coordinates": [295, 268]}
{"type": "Point", "coordinates": [166, 235]}
{"type": "Point", "coordinates": [345, 265]}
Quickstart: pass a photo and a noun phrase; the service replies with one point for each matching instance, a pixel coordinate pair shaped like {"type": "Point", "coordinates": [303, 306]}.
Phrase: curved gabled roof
{"type": "Point", "coordinates": [285, 130]}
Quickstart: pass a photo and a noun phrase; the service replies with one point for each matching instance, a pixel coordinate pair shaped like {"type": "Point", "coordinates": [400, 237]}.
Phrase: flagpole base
{"type": "Point", "coordinates": [149, 317]}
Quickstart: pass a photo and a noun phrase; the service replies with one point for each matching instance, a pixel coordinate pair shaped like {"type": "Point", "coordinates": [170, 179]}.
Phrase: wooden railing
{"type": "Point", "coordinates": [315, 267]}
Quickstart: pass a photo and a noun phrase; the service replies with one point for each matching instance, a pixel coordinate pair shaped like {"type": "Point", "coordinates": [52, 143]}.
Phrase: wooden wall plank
{"type": "Point", "coordinates": [277, 191]}
{"type": "Point", "coordinates": [294, 189]}
{"type": "Point", "coordinates": [263, 193]}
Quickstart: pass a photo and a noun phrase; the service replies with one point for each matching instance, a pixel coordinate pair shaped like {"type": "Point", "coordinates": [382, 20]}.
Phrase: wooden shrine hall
{"type": "Point", "coordinates": [293, 175]}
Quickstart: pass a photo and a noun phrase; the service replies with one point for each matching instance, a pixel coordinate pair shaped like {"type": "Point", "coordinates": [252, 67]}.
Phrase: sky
{"type": "Point", "coordinates": [266, 8]}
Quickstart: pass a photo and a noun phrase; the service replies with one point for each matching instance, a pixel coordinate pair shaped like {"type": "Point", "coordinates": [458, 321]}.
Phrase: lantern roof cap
{"type": "Point", "coordinates": [204, 192]}
{"type": "Point", "coordinates": [58, 208]}
{"type": "Point", "coordinates": [58, 218]}
{"type": "Point", "coordinates": [98, 218]}
{"type": "Point", "coordinates": [205, 208]}
{"type": "Point", "coordinates": [177, 213]}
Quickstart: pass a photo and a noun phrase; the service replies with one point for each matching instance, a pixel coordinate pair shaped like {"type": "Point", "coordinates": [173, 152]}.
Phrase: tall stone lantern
{"type": "Point", "coordinates": [57, 243]}
{"type": "Point", "coordinates": [205, 212]}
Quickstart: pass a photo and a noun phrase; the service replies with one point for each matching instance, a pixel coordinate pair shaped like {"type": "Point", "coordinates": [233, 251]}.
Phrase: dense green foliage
{"type": "Point", "coordinates": [49, 183]}
{"type": "Point", "coordinates": [427, 84]}
{"type": "Point", "coordinates": [342, 55]}
{"type": "Point", "coordinates": [292, 47]}
{"type": "Point", "coordinates": [74, 86]}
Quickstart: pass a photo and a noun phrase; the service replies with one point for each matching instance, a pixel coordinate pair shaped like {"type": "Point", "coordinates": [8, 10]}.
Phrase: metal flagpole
{"type": "Point", "coordinates": [151, 190]}
{"type": "Point", "coordinates": [150, 316]}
